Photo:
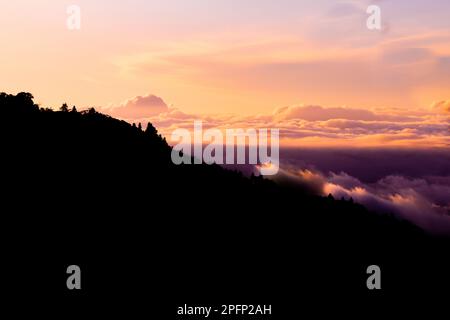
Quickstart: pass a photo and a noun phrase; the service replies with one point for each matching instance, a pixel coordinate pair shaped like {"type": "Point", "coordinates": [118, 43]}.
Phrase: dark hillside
{"type": "Point", "coordinates": [82, 187]}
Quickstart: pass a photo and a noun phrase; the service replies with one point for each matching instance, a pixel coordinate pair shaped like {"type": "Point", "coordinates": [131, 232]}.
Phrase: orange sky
{"type": "Point", "coordinates": [225, 57]}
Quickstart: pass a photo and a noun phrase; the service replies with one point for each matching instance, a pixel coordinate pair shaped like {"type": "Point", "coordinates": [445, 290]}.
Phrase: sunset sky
{"type": "Point", "coordinates": [311, 68]}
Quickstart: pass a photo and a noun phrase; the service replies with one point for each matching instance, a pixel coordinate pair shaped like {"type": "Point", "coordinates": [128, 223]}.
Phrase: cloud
{"type": "Point", "coordinates": [424, 201]}
{"type": "Point", "coordinates": [413, 185]}
{"type": "Point", "coordinates": [303, 180]}
{"type": "Point", "coordinates": [305, 125]}
{"type": "Point", "coordinates": [319, 113]}
{"type": "Point", "coordinates": [139, 107]}
{"type": "Point", "coordinates": [441, 106]}
{"type": "Point", "coordinates": [419, 201]}
{"type": "Point", "coordinates": [349, 66]}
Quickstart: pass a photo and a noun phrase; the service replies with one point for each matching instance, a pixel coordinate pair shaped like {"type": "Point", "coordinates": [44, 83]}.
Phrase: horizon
{"type": "Point", "coordinates": [313, 69]}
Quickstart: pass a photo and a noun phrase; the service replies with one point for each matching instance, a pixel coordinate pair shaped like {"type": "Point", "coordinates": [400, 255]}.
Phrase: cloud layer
{"type": "Point", "coordinates": [423, 201]}
{"type": "Point", "coordinates": [415, 187]}
{"type": "Point", "coordinates": [310, 125]}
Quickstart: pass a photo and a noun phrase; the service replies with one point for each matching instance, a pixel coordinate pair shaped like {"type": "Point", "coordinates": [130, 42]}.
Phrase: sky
{"type": "Point", "coordinates": [311, 68]}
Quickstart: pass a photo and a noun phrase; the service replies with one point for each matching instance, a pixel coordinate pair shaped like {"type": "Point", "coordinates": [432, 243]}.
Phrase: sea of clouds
{"type": "Point", "coordinates": [391, 160]}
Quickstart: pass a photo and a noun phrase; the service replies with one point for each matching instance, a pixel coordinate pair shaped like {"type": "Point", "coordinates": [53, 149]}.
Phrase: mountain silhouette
{"type": "Point", "coordinates": [83, 186]}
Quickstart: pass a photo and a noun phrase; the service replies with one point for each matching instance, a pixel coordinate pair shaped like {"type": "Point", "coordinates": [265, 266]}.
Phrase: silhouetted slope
{"type": "Point", "coordinates": [93, 159]}
{"type": "Point", "coordinates": [83, 185]}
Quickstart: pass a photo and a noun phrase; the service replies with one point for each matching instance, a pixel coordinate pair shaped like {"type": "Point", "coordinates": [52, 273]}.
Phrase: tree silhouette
{"type": "Point", "coordinates": [150, 130]}
{"type": "Point", "coordinates": [22, 102]}
{"type": "Point", "coordinates": [64, 108]}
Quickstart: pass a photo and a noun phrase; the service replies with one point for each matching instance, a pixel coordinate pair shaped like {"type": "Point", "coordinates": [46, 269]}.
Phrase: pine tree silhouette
{"type": "Point", "coordinates": [64, 108]}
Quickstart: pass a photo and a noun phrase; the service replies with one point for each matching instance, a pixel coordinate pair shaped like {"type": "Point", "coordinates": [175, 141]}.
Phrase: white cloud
{"type": "Point", "coordinates": [139, 107]}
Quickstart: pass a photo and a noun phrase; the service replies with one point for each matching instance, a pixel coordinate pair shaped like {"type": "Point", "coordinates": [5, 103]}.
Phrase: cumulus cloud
{"type": "Point", "coordinates": [139, 107]}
